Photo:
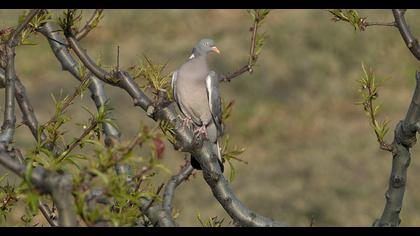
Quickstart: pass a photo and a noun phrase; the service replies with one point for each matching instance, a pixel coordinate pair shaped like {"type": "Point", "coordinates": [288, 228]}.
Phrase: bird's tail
{"type": "Point", "coordinates": [196, 165]}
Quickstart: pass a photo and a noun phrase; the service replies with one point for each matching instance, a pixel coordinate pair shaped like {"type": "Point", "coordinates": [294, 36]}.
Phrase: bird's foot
{"type": "Point", "coordinates": [185, 122]}
{"type": "Point", "coordinates": [201, 131]}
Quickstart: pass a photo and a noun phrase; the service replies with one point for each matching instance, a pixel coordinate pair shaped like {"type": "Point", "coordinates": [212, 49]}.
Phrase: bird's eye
{"type": "Point", "coordinates": [206, 44]}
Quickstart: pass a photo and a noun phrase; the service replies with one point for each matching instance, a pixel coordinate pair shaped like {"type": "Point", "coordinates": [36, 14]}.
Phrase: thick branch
{"type": "Point", "coordinates": [175, 180]}
{"type": "Point", "coordinates": [119, 79]}
{"type": "Point", "coordinates": [68, 63]}
{"type": "Point", "coordinates": [204, 153]}
{"type": "Point", "coordinates": [405, 32]}
{"type": "Point", "coordinates": [156, 214]}
{"type": "Point", "coordinates": [404, 139]}
{"type": "Point", "coordinates": [59, 186]}
{"type": "Point", "coordinates": [29, 118]}
{"type": "Point", "coordinates": [8, 127]}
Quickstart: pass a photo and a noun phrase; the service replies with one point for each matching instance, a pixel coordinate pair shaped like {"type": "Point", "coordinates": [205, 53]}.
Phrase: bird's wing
{"type": "Point", "coordinates": [178, 100]}
{"type": "Point", "coordinates": [173, 85]}
{"type": "Point", "coordinates": [215, 103]}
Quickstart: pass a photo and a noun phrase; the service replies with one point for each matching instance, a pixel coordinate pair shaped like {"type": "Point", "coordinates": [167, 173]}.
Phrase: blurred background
{"type": "Point", "coordinates": [310, 150]}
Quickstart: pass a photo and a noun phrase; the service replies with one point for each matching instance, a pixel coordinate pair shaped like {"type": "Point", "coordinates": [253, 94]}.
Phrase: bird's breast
{"type": "Point", "coordinates": [193, 95]}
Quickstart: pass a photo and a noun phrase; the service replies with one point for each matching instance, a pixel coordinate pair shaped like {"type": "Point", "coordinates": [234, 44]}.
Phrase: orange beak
{"type": "Point", "coordinates": [214, 49]}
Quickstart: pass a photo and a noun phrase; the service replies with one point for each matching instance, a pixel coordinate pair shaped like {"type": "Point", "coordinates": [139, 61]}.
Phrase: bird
{"type": "Point", "coordinates": [196, 92]}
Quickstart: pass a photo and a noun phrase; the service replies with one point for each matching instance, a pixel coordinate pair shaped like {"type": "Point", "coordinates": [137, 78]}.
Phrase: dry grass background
{"type": "Point", "coordinates": [311, 151]}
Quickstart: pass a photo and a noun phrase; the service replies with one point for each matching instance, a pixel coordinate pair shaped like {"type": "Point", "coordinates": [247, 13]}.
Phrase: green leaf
{"type": "Point", "coordinates": [164, 168]}
{"type": "Point", "coordinates": [252, 13]}
{"type": "Point", "coordinates": [28, 172]}
{"type": "Point", "coordinates": [3, 177]}
{"type": "Point", "coordinates": [101, 175]}
{"type": "Point", "coordinates": [232, 173]}
{"type": "Point", "coordinates": [32, 201]}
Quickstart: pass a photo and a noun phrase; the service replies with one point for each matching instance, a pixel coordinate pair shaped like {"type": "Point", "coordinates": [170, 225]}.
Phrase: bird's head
{"type": "Point", "coordinates": [204, 46]}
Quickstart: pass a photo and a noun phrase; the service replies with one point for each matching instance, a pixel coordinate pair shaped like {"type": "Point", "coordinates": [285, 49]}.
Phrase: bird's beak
{"type": "Point", "coordinates": [214, 49]}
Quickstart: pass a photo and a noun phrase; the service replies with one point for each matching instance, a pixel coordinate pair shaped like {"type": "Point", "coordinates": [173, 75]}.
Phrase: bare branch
{"type": "Point", "coordinates": [371, 23]}
{"type": "Point", "coordinates": [90, 24]}
{"type": "Point", "coordinates": [8, 127]}
{"type": "Point", "coordinates": [96, 87]}
{"type": "Point", "coordinates": [47, 213]}
{"type": "Point", "coordinates": [119, 79]}
{"type": "Point", "coordinates": [405, 32]}
{"type": "Point", "coordinates": [175, 180]}
{"type": "Point", "coordinates": [251, 57]}
{"type": "Point", "coordinates": [29, 118]}
{"type": "Point", "coordinates": [156, 214]}
{"type": "Point", "coordinates": [404, 139]}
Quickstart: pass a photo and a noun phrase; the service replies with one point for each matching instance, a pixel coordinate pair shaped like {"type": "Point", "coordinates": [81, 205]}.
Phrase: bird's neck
{"type": "Point", "coordinates": [197, 53]}
{"type": "Point", "coordinates": [198, 57]}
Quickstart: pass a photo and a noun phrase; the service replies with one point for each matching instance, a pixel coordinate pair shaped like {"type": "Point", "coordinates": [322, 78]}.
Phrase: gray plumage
{"type": "Point", "coordinates": [196, 91]}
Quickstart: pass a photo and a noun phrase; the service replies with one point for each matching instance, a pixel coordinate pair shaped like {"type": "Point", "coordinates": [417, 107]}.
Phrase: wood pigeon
{"type": "Point", "coordinates": [196, 92]}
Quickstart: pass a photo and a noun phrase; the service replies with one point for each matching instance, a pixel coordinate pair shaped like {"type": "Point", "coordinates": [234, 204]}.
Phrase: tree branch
{"type": "Point", "coordinates": [96, 87]}
{"type": "Point", "coordinates": [119, 79]}
{"type": "Point", "coordinates": [404, 139]}
{"type": "Point", "coordinates": [206, 157]}
{"type": "Point", "coordinates": [59, 186]}
{"type": "Point", "coordinates": [15, 88]}
{"type": "Point", "coordinates": [29, 118]}
{"type": "Point", "coordinates": [46, 212]}
{"type": "Point", "coordinates": [90, 24]}
{"type": "Point", "coordinates": [77, 141]}
{"type": "Point", "coordinates": [405, 32]}
{"type": "Point", "coordinates": [251, 57]}
{"type": "Point", "coordinates": [156, 214]}
{"type": "Point", "coordinates": [175, 180]}
{"type": "Point", "coordinates": [8, 127]}
{"type": "Point", "coordinates": [371, 23]}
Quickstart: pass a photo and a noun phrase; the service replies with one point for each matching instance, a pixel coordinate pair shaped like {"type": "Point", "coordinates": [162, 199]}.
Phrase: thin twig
{"type": "Point", "coordinates": [96, 15]}
{"type": "Point", "coordinates": [77, 141]}
{"type": "Point", "coordinates": [370, 23]}
{"type": "Point", "coordinates": [382, 144]}
{"type": "Point", "coordinates": [67, 102]}
{"type": "Point", "coordinates": [251, 57]}
{"type": "Point", "coordinates": [154, 198]}
{"type": "Point", "coordinates": [47, 213]}
{"type": "Point", "coordinates": [118, 58]}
